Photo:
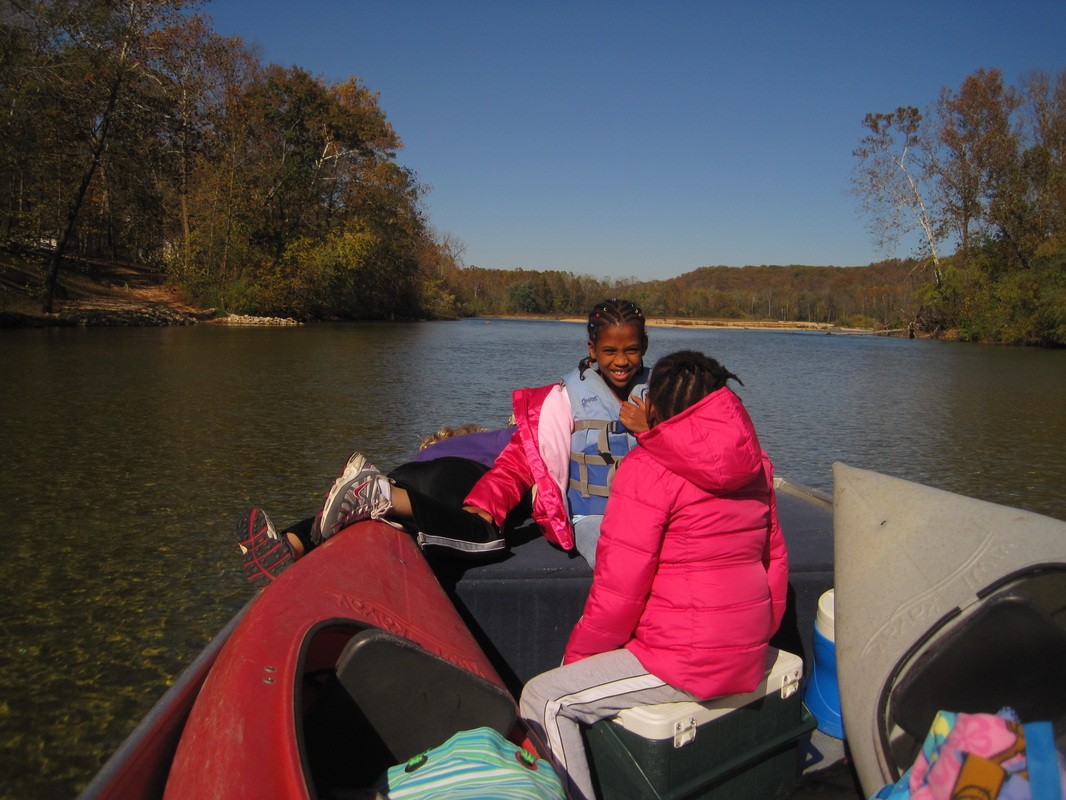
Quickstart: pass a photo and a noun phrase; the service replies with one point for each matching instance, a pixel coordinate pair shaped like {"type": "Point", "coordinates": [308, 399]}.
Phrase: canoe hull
{"type": "Point", "coordinates": [244, 735]}
{"type": "Point", "coordinates": [912, 565]}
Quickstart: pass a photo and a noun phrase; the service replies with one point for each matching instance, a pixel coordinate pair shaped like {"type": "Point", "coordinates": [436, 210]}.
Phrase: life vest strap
{"type": "Point", "coordinates": [597, 460]}
{"type": "Point", "coordinates": [613, 426]}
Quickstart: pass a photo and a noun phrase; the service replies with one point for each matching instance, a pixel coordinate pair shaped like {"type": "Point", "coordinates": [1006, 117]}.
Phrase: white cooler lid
{"type": "Point", "coordinates": [783, 673]}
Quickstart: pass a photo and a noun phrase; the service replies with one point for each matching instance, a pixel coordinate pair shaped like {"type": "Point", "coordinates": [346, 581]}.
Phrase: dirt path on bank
{"type": "Point", "coordinates": [93, 293]}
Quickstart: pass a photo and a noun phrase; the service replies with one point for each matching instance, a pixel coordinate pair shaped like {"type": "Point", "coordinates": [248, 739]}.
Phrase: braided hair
{"type": "Point", "coordinates": [612, 312]}
{"type": "Point", "coordinates": [682, 379]}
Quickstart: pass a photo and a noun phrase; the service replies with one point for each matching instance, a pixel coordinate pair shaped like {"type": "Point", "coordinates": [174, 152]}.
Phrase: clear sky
{"type": "Point", "coordinates": [644, 139]}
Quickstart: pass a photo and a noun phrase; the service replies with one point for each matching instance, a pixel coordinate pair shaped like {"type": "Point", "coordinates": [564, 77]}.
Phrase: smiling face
{"type": "Point", "coordinates": [618, 353]}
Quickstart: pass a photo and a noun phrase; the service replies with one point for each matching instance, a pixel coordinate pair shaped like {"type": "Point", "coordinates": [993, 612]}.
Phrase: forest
{"type": "Point", "coordinates": [133, 132]}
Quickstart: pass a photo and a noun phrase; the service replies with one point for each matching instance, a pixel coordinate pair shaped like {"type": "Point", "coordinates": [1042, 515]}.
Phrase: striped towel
{"type": "Point", "coordinates": [479, 763]}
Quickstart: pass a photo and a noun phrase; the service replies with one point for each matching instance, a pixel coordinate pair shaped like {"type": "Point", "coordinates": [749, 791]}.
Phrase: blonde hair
{"type": "Point", "coordinates": [447, 432]}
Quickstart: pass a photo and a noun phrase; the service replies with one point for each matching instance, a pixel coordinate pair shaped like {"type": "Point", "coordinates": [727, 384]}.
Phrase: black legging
{"type": "Point", "coordinates": [437, 489]}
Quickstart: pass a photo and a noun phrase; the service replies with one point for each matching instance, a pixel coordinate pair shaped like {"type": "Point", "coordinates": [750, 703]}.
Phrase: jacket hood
{"type": "Point", "coordinates": [712, 444]}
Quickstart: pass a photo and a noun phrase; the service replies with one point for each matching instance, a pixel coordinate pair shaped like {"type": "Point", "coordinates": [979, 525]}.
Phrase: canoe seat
{"type": "Point", "coordinates": [415, 700]}
{"type": "Point", "coordinates": [1008, 653]}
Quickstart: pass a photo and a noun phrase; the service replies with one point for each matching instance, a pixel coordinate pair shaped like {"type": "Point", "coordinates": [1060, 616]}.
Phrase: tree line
{"type": "Point", "coordinates": [980, 178]}
{"type": "Point", "coordinates": [131, 130]}
{"type": "Point", "coordinates": [878, 296]}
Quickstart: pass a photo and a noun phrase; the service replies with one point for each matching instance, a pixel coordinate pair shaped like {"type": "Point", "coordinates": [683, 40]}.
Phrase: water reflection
{"type": "Point", "coordinates": [129, 455]}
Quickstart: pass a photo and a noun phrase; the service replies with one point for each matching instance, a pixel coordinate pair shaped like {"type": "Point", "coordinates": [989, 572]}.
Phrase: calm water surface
{"type": "Point", "coordinates": [128, 456]}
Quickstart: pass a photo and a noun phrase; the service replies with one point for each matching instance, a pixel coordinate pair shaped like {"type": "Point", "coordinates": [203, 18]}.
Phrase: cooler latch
{"type": "Point", "coordinates": [790, 682]}
{"type": "Point", "coordinates": [684, 731]}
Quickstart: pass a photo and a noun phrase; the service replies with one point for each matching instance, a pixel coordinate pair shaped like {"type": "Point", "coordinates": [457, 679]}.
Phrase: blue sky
{"type": "Point", "coordinates": [646, 139]}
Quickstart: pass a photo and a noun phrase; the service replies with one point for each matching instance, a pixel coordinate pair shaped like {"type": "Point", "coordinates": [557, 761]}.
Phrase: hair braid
{"type": "Point", "coordinates": [612, 312]}
{"type": "Point", "coordinates": [682, 379]}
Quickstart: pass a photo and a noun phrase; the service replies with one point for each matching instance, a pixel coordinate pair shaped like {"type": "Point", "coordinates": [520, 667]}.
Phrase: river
{"type": "Point", "coordinates": [129, 455]}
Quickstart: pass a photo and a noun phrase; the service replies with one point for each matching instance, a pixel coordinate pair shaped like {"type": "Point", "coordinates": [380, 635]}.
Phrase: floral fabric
{"type": "Point", "coordinates": [983, 757]}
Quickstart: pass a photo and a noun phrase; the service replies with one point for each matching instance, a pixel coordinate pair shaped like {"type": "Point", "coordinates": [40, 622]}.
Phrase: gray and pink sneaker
{"type": "Point", "coordinates": [361, 492]}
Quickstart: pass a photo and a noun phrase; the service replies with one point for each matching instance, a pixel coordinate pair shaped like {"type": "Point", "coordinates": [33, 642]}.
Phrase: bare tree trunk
{"type": "Point", "coordinates": [75, 206]}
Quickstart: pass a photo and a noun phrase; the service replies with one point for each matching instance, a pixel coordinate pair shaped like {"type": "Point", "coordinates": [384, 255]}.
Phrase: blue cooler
{"type": "Point", "coordinates": [822, 695]}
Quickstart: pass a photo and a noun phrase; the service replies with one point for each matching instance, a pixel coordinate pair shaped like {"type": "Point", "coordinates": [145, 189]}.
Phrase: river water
{"type": "Point", "coordinates": [129, 455]}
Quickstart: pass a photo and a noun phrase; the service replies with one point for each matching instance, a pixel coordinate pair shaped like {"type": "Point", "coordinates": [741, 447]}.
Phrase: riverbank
{"type": "Point", "coordinates": [735, 324]}
{"type": "Point", "coordinates": [119, 294]}
{"type": "Point", "coordinates": [104, 294]}
{"type": "Point", "coordinates": [92, 294]}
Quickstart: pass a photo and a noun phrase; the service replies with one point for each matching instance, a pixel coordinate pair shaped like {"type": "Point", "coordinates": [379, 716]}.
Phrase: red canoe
{"type": "Point", "coordinates": [353, 660]}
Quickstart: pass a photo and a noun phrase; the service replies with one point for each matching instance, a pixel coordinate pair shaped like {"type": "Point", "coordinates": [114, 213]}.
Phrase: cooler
{"type": "Point", "coordinates": [822, 695]}
{"type": "Point", "coordinates": [738, 747]}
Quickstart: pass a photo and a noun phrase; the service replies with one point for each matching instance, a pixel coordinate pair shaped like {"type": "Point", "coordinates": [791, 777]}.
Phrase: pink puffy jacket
{"type": "Point", "coordinates": [538, 458]}
{"type": "Point", "coordinates": [691, 567]}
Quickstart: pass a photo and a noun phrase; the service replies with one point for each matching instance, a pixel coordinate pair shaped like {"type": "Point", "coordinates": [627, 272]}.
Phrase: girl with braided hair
{"type": "Point", "coordinates": [691, 571]}
{"type": "Point", "coordinates": [569, 439]}
{"type": "Point", "coordinates": [573, 434]}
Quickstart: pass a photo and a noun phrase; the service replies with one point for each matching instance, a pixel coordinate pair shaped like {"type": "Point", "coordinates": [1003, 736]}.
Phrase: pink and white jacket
{"type": "Point", "coordinates": [691, 568]}
{"type": "Point", "coordinates": [537, 457]}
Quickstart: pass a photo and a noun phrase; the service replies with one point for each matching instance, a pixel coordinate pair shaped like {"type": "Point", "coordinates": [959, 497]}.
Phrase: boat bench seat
{"type": "Point", "coordinates": [415, 700]}
{"type": "Point", "coordinates": [1009, 653]}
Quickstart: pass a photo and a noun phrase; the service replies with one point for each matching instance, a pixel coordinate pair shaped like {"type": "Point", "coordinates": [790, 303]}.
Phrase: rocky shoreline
{"type": "Point", "coordinates": [245, 319]}
{"type": "Point", "coordinates": [135, 317]}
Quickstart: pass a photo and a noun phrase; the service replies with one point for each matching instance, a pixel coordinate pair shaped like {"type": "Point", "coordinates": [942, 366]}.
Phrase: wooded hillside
{"type": "Point", "coordinates": [131, 131]}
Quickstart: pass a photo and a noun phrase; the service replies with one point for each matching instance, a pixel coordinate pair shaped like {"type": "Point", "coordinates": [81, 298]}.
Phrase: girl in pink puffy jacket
{"type": "Point", "coordinates": [691, 569]}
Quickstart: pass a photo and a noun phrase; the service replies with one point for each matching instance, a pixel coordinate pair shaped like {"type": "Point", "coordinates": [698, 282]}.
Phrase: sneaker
{"type": "Point", "coordinates": [266, 555]}
{"type": "Point", "coordinates": [361, 492]}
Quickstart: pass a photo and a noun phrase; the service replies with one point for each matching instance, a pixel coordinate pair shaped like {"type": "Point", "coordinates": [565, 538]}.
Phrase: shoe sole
{"type": "Point", "coordinates": [266, 553]}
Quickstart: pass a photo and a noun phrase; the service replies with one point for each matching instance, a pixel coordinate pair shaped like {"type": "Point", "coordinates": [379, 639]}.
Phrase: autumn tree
{"type": "Point", "coordinates": [1044, 114]}
{"type": "Point", "coordinates": [895, 180]}
{"type": "Point", "coordinates": [983, 170]}
{"type": "Point", "coordinates": [979, 172]}
{"type": "Point", "coordinates": [96, 66]}
{"type": "Point", "coordinates": [199, 73]}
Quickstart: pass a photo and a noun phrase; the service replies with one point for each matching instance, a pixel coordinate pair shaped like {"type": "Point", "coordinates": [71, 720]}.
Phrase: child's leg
{"type": "Point", "coordinates": [299, 536]}
{"type": "Point", "coordinates": [448, 479]}
{"type": "Point", "coordinates": [586, 535]}
{"type": "Point", "coordinates": [439, 524]}
{"type": "Point", "coordinates": [556, 704]}
{"type": "Point", "coordinates": [425, 495]}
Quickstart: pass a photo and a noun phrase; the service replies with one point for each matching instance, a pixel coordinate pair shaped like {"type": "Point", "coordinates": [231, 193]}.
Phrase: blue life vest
{"type": "Point", "coordinates": [599, 440]}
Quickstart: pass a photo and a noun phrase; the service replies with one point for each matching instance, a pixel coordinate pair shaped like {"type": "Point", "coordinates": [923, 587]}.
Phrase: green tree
{"type": "Point", "coordinates": [523, 297]}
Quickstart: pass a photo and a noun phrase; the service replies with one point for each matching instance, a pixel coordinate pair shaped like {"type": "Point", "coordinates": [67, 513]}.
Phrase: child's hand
{"type": "Point", "coordinates": [634, 415]}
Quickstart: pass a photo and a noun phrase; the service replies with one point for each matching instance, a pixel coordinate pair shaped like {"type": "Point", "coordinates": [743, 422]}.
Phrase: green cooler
{"type": "Point", "coordinates": [738, 747]}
